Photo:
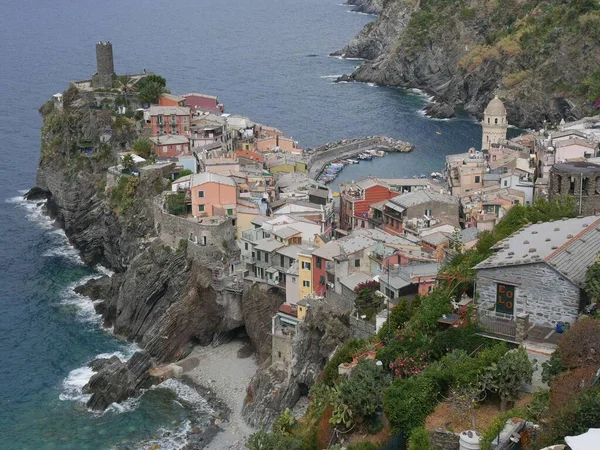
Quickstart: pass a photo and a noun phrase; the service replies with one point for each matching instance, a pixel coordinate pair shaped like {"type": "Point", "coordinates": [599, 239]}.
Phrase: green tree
{"type": "Point", "coordinates": [128, 162]}
{"type": "Point", "coordinates": [150, 88]}
{"type": "Point", "coordinates": [507, 375]}
{"type": "Point", "coordinates": [142, 147]}
{"type": "Point", "coordinates": [263, 440]}
{"type": "Point", "coordinates": [184, 173]}
{"type": "Point", "coordinates": [592, 281]}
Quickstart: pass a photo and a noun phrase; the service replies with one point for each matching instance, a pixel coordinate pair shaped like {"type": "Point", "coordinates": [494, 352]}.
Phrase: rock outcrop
{"type": "Point", "coordinates": [539, 56]}
{"type": "Point", "coordinates": [116, 381]}
{"type": "Point", "coordinates": [276, 387]}
{"type": "Point", "coordinates": [366, 6]}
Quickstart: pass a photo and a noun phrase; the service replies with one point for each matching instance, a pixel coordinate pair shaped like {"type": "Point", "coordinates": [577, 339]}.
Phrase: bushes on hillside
{"type": "Point", "coordinates": [342, 355]}
{"type": "Point", "coordinates": [408, 402]}
{"type": "Point", "coordinates": [581, 345]}
{"type": "Point", "coordinates": [364, 389]}
{"type": "Point", "coordinates": [419, 440]}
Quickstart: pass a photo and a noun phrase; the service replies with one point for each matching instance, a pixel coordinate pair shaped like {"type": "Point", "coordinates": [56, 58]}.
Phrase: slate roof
{"type": "Point", "coordinates": [469, 234]}
{"type": "Point", "coordinates": [291, 251]}
{"type": "Point", "coordinates": [285, 232]}
{"type": "Point", "coordinates": [570, 246]}
{"type": "Point", "coordinates": [268, 245]}
{"type": "Point", "coordinates": [423, 196]}
{"type": "Point", "coordinates": [422, 270]}
{"type": "Point", "coordinates": [397, 281]}
{"type": "Point", "coordinates": [355, 279]}
{"type": "Point", "coordinates": [209, 177]}
{"type": "Point", "coordinates": [577, 167]}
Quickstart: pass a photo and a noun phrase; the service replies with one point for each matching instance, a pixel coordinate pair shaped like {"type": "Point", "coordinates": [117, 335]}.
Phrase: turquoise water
{"type": "Point", "coordinates": [266, 59]}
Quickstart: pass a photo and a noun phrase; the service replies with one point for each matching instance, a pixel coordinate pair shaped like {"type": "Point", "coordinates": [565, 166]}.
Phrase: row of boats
{"type": "Point", "coordinates": [332, 170]}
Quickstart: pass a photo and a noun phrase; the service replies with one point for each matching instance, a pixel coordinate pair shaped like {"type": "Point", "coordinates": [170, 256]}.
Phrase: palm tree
{"type": "Point", "coordinates": [128, 162]}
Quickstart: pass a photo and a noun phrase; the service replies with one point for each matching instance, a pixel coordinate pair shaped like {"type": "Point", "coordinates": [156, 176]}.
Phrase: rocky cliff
{"type": "Point", "coordinates": [541, 57]}
{"type": "Point", "coordinates": [277, 387]}
{"type": "Point", "coordinates": [165, 299]}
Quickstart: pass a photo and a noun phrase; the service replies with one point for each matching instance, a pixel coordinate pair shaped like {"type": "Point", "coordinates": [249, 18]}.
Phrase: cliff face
{"type": "Point", "coordinates": [276, 387]}
{"type": "Point", "coordinates": [539, 56]}
{"type": "Point", "coordinates": [366, 6]}
{"type": "Point", "coordinates": [165, 299]}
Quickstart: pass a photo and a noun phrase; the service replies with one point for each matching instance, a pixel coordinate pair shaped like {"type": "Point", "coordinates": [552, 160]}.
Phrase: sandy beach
{"type": "Point", "coordinates": [227, 376]}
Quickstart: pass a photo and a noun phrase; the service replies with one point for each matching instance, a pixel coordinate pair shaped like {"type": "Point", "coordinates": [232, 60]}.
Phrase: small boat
{"type": "Point", "coordinates": [379, 153]}
{"type": "Point", "coordinates": [336, 194]}
{"type": "Point", "coordinates": [365, 157]}
{"type": "Point", "coordinates": [353, 161]}
{"type": "Point", "coordinates": [343, 162]}
{"type": "Point", "coordinates": [422, 176]}
{"type": "Point", "coordinates": [438, 132]}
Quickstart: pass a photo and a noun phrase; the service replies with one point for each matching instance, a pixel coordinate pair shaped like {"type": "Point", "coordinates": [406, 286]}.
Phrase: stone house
{"type": "Point", "coordinates": [536, 277]}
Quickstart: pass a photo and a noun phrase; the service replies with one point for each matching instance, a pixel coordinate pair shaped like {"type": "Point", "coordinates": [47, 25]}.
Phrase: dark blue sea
{"type": "Point", "coordinates": [264, 58]}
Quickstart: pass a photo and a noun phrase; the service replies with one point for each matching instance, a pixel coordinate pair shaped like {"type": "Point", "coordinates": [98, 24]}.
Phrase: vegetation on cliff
{"type": "Point", "coordinates": [541, 56]}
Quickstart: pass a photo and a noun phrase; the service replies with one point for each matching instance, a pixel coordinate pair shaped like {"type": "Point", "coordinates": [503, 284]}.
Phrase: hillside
{"type": "Point", "coordinates": [541, 57]}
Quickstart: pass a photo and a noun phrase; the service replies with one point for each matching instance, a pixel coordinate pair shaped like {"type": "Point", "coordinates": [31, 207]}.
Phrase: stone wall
{"type": "Point", "coordinates": [587, 197]}
{"type": "Point", "coordinates": [540, 291]}
{"type": "Point", "coordinates": [282, 350]}
{"type": "Point", "coordinates": [361, 329]}
{"type": "Point", "coordinates": [444, 440]}
{"type": "Point", "coordinates": [206, 232]}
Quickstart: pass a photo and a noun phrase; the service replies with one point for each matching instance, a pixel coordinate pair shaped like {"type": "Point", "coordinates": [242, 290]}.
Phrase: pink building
{"type": "Point", "coordinates": [571, 149]}
{"type": "Point", "coordinates": [170, 120]}
{"type": "Point", "coordinates": [170, 145]}
{"type": "Point", "coordinates": [213, 195]}
{"type": "Point", "coordinates": [203, 102]}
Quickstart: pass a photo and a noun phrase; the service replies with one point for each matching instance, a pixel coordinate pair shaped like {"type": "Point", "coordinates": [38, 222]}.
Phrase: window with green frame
{"type": "Point", "coordinates": [201, 208]}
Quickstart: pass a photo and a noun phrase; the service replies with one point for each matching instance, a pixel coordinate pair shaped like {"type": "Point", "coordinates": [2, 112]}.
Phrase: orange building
{"type": "Point", "coordinates": [213, 195]}
{"type": "Point", "coordinates": [170, 100]}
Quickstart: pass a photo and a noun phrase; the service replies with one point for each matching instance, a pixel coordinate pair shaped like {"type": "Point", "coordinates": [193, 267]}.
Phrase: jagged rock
{"type": "Point", "coordinates": [117, 381]}
{"type": "Point", "coordinates": [276, 387]}
{"type": "Point", "coordinates": [439, 110]}
{"type": "Point", "coordinates": [96, 288]}
{"type": "Point", "coordinates": [36, 193]}
{"type": "Point", "coordinates": [100, 363]}
{"type": "Point", "coordinates": [366, 6]}
{"type": "Point", "coordinates": [344, 79]}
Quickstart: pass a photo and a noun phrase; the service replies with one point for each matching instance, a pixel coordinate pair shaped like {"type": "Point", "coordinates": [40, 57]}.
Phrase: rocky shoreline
{"type": "Point", "coordinates": [446, 52]}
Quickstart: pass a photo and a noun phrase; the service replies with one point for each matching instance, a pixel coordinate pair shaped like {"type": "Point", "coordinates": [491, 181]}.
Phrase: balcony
{"type": "Point", "coordinates": [502, 326]}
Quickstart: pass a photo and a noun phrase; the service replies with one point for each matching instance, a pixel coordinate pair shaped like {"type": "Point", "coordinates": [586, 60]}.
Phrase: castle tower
{"type": "Point", "coordinates": [105, 74]}
{"type": "Point", "coordinates": [494, 124]}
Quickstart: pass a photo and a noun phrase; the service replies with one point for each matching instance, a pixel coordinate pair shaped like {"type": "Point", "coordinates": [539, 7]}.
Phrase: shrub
{"type": "Point", "coordinates": [538, 408]}
{"type": "Point", "coordinates": [342, 355]}
{"type": "Point", "coordinates": [399, 315]}
{"type": "Point", "coordinates": [176, 204]}
{"type": "Point", "coordinates": [284, 423]}
{"type": "Point", "coordinates": [363, 390]}
{"type": "Point", "coordinates": [142, 147]}
{"type": "Point", "coordinates": [507, 375]}
{"type": "Point", "coordinates": [407, 366]}
{"type": "Point", "coordinates": [580, 346]}
{"type": "Point", "coordinates": [465, 338]}
{"type": "Point", "coordinates": [263, 440]}
{"type": "Point", "coordinates": [419, 440]}
{"type": "Point", "coordinates": [552, 368]}
{"type": "Point", "coordinates": [184, 173]}
{"type": "Point", "coordinates": [568, 386]}
{"type": "Point", "coordinates": [408, 402]}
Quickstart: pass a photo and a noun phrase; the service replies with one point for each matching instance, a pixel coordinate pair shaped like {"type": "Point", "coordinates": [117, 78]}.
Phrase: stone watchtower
{"type": "Point", "coordinates": [105, 75]}
{"type": "Point", "coordinates": [494, 124]}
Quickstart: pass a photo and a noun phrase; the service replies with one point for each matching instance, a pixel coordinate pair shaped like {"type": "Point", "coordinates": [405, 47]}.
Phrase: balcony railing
{"type": "Point", "coordinates": [499, 324]}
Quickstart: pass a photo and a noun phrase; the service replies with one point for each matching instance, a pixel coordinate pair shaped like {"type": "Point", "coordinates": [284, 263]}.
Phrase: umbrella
{"type": "Point", "coordinates": [585, 441]}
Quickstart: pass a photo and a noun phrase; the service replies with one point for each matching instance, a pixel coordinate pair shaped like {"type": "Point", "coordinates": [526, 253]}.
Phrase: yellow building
{"type": "Point", "coordinates": [302, 308]}
{"type": "Point", "coordinates": [305, 273]}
